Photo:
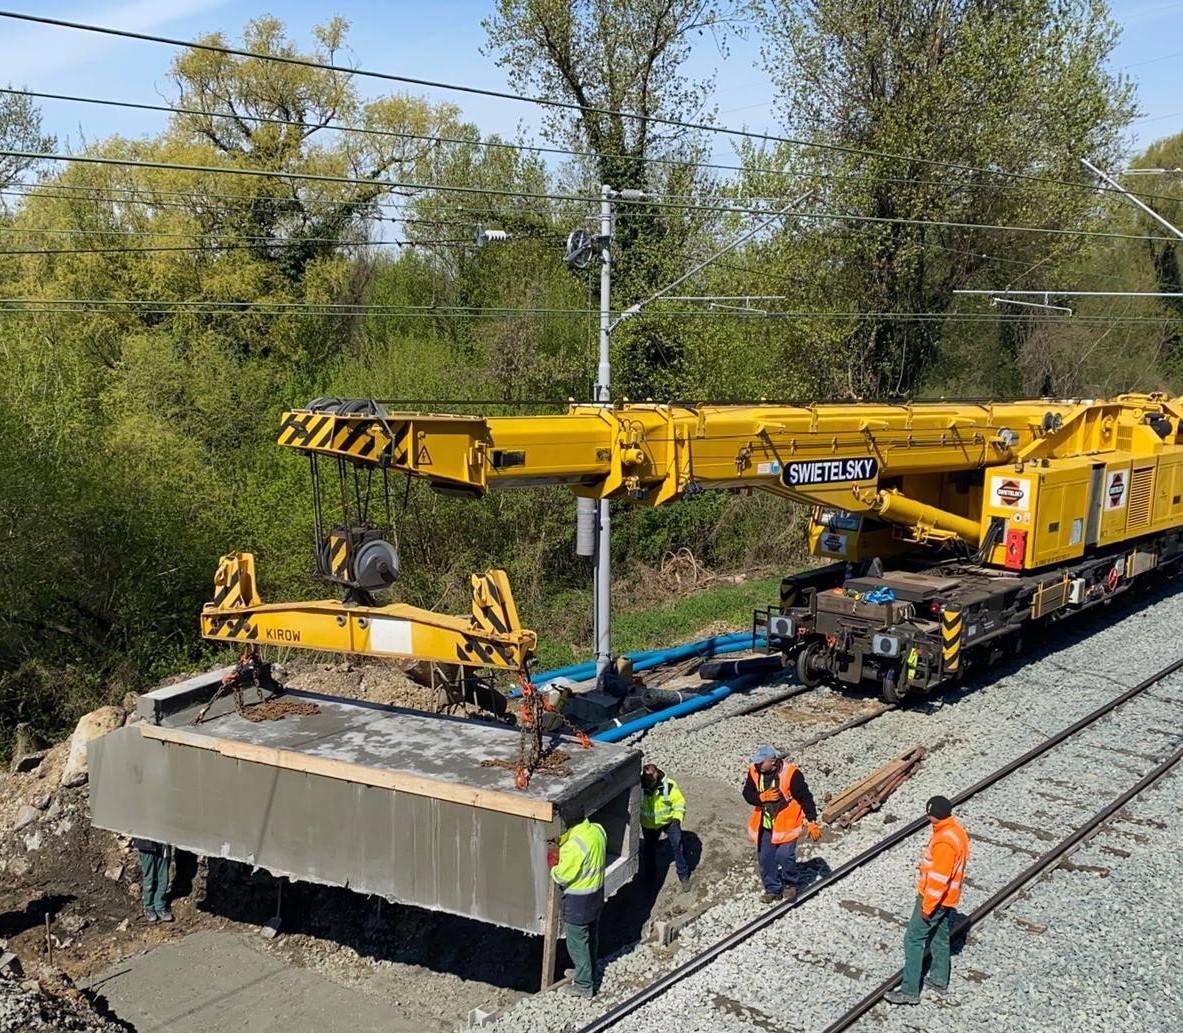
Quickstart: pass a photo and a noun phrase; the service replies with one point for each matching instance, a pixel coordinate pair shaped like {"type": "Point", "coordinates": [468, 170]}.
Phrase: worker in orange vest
{"type": "Point", "coordinates": [942, 870]}
{"type": "Point", "coordinates": [782, 809]}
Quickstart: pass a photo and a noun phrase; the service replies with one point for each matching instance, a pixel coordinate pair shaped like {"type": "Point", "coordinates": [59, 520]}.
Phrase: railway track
{"type": "Point", "coordinates": [646, 1007]}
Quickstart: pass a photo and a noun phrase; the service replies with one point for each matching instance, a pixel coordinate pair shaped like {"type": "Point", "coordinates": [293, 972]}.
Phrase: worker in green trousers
{"type": "Point", "coordinates": [578, 867]}
{"type": "Point", "coordinates": [154, 863]}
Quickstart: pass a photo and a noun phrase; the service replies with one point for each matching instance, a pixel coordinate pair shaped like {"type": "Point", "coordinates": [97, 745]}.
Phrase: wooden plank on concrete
{"type": "Point", "coordinates": [399, 781]}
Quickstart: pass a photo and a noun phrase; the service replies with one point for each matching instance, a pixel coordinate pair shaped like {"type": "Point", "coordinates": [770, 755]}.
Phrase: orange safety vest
{"type": "Point", "coordinates": [937, 886]}
{"type": "Point", "coordinates": [790, 822]}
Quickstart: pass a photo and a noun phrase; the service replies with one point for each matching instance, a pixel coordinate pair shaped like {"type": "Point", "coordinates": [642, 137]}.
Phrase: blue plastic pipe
{"type": "Point", "coordinates": [690, 706]}
{"type": "Point", "coordinates": [649, 658]}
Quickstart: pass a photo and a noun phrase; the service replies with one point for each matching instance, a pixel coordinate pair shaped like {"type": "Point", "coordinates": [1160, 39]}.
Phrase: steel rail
{"type": "Point", "coordinates": [1027, 875]}
{"type": "Point", "coordinates": [745, 932]}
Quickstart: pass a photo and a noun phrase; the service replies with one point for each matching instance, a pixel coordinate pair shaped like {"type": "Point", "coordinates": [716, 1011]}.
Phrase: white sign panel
{"type": "Point", "coordinates": [1010, 493]}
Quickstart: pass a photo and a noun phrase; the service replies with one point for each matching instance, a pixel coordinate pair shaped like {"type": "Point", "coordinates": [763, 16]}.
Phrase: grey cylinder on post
{"type": "Point", "coordinates": [585, 527]}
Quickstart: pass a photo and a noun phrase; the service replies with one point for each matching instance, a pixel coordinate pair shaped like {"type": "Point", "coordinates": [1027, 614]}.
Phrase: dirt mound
{"type": "Point", "coordinates": [375, 681]}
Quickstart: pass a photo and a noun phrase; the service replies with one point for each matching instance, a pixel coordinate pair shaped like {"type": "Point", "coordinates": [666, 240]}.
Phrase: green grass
{"type": "Point", "coordinates": [681, 619]}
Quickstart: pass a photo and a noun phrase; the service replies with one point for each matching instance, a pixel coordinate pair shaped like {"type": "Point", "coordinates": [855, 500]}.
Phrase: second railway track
{"type": "Point", "coordinates": [1013, 814]}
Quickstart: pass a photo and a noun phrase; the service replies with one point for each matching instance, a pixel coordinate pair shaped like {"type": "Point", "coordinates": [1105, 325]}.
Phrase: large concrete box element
{"type": "Point", "coordinates": [373, 798]}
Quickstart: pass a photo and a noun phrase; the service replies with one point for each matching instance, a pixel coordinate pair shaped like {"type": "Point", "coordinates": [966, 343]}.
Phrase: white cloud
{"type": "Point", "coordinates": [28, 51]}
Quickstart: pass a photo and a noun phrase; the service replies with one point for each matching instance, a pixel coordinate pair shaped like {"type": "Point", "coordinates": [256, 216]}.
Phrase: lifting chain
{"type": "Point", "coordinates": [530, 713]}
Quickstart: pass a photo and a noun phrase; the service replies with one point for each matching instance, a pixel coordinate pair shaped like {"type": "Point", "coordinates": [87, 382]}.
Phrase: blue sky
{"type": "Point", "coordinates": [440, 39]}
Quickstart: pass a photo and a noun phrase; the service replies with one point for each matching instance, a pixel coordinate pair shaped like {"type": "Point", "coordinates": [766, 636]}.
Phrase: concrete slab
{"type": "Point", "coordinates": [214, 982]}
{"type": "Point", "coordinates": [154, 706]}
{"type": "Point", "coordinates": [435, 746]}
{"type": "Point", "coordinates": [377, 799]}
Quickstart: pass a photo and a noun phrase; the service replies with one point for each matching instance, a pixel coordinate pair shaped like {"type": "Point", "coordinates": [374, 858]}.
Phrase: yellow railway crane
{"type": "Point", "coordinates": [991, 515]}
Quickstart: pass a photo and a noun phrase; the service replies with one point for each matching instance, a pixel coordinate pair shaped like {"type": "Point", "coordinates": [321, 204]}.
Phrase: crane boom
{"type": "Point", "coordinates": [916, 466]}
{"type": "Point", "coordinates": [995, 517]}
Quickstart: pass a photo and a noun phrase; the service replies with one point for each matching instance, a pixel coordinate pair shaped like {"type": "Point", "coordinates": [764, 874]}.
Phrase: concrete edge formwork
{"type": "Point", "coordinates": [441, 845]}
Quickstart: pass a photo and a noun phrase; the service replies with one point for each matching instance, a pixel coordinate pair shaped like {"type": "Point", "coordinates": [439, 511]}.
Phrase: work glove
{"type": "Point", "coordinates": [814, 830]}
{"type": "Point", "coordinates": [552, 857]}
{"type": "Point", "coordinates": [770, 796]}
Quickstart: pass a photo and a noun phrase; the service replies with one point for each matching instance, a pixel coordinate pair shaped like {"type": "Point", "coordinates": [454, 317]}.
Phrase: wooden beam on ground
{"type": "Point", "coordinates": [852, 803]}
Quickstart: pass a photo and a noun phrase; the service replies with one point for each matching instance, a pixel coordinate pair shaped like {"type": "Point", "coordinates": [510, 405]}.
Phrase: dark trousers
{"type": "Point", "coordinates": [583, 944]}
{"type": "Point", "coordinates": [778, 862]}
{"type": "Point", "coordinates": [673, 832]}
{"type": "Point", "coordinates": [924, 935]}
{"type": "Point", "coordinates": [154, 878]}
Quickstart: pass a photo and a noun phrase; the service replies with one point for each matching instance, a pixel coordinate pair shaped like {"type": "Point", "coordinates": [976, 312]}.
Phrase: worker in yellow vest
{"type": "Point", "coordinates": [577, 866]}
{"type": "Point", "coordinates": [782, 809]}
{"type": "Point", "coordinates": [942, 871]}
{"type": "Point", "coordinates": [663, 809]}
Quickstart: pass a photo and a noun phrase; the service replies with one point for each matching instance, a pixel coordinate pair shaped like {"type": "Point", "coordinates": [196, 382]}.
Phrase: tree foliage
{"type": "Point", "coordinates": [137, 439]}
{"type": "Point", "coordinates": [991, 102]}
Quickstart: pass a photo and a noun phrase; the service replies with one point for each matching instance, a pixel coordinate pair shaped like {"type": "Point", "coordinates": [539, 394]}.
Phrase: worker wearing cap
{"type": "Point", "coordinates": [663, 809]}
{"type": "Point", "coordinates": [782, 809]}
{"type": "Point", "coordinates": [577, 866]}
{"type": "Point", "coordinates": [942, 870]}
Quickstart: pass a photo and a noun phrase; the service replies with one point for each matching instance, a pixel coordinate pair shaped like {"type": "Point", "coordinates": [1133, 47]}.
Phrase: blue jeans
{"type": "Point", "coordinates": [778, 862]}
{"type": "Point", "coordinates": [673, 832]}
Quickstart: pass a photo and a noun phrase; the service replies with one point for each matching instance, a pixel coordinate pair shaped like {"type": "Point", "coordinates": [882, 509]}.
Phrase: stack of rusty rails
{"type": "Point", "coordinates": [869, 794]}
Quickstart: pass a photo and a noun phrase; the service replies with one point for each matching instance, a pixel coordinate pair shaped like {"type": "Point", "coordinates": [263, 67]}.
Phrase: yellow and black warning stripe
{"type": "Point", "coordinates": [790, 593]}
{"type": "Point", "coordinates": [482, 653]}
{"type": "Point", "coordinates": [339, 557]}
{"type": "Point", "coordinates": [229, 594]}
{"type": "Point", "coordinates": [492, 617]}
{"type": "Point", "coordinates": [240, 629]}
{"type": "Point", "coordinates": [951, 621]}
{"type": "Point", "coordinates": [306, 429]}
{"type": "Point", "coordinates": [353, 437]}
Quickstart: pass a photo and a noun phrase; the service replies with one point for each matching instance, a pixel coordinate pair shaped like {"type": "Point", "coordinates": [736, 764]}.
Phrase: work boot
{"type": "Point", "coordinates": [150, 917]}
{"type": "Point", "coordinates": [770, 898]}
{"type": "Point", "coordinates": [939, 989]}
{"type": "Point", "coordinates": [579, 991]}
{"type": "Point", "coordinates": [790, 893]}
{"type": "Point", "coordinates": [164, 914]}
{"type": "Point", "coordinates": [899, 997]}
{"type": "Point", "coordinates": [685, 884]}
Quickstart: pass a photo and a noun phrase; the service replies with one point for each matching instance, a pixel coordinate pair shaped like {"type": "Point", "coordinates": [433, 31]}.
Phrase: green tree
{"type": "Point", "coordinates": [603, 58]}
{"type": "Point", "coordinates": [20, 130]}
{"type": "Point", "coordinates": [1012, 87]}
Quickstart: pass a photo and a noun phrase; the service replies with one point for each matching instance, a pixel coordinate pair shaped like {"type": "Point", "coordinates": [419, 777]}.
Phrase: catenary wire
{"type": "Point", "coordinates": [672, 123]}
{"type": "Point", "coordinates": [539, 149]}
{"type": "Point", "coordinates": [575, 198]}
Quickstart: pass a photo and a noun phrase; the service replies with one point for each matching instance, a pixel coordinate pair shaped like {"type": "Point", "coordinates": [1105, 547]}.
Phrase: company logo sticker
{"type": "Point", "coordinates": [829, 471]}
{"type": "Point", "coordinates": [835, 544]}
{"type": "Point", "coordinates": [1010, 493]}
{"type": "Point", "coordinates": [1115, 484]}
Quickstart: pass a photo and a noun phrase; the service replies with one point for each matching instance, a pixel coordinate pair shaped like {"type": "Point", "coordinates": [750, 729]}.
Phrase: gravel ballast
{"type": "Point", "coordinates": [1079, 966]}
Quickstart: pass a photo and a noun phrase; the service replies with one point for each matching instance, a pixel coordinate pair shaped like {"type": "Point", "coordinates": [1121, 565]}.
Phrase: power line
{"type": "Point", "coordinates": [575, 198]}
{"type": "Point", "coordinates": [198, 249]}
{"type": "Point", "coordinates": [537, 101]}
{"type": "Point", "coordinates": [42, 191]}
{"type": "Point", "coordinates": [534, 148]}
{"type": "Point", "coordinates": [155, 306]}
